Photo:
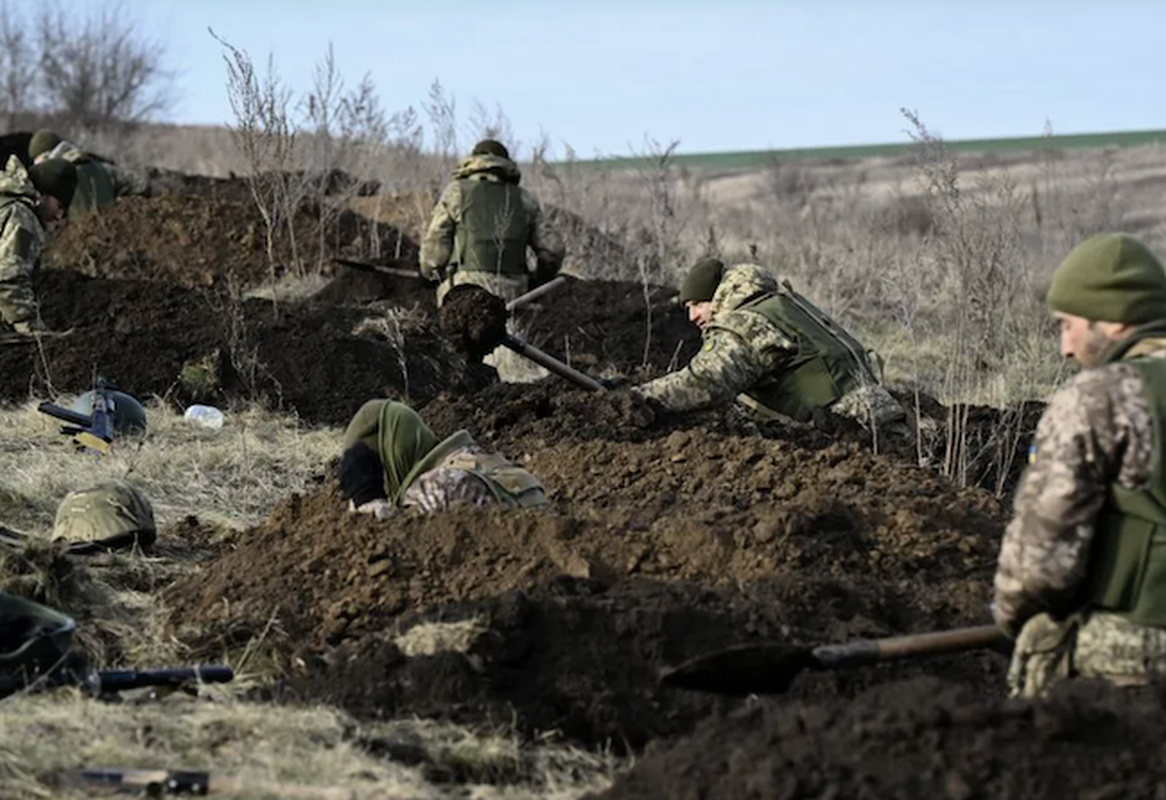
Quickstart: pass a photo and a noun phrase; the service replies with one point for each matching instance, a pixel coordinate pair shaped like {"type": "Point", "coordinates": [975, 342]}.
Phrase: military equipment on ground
{"type": "Point", "coordinates": [163, 782]}
{"type": "Point", "coordinates": [770, 667]}
{"type": "Point", "coordinates": [36, 653]}
{"type": "Point", "coordinates": [91, 432]}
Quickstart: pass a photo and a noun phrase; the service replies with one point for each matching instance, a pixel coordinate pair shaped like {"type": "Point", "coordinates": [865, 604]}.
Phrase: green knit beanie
{"type": "Point", "coordinates": [55, 177]}
{"type": "Point", "coordinates": [490, 147]}
{"type": "Point", "coordinates": [702, 281]}
{"type": "Point", "coordinates": [1110, 277]}
{"type": "Point", "coordinates": [42, 141]}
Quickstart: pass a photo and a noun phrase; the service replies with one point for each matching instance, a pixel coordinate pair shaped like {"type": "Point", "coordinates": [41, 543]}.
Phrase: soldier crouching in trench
{"type": "Point", "coordinates": [769, 347]}
{"type": "Point", "coordinates": [1081, 578]}
{"type": "Point", "coordinates": [392, 460]}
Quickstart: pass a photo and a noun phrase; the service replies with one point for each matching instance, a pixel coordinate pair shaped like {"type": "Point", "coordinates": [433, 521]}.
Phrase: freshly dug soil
{"type": "Point", "coordinates": [302, 358]}
{"type": "Point", "coordinates": [915, 739]}
{"type": "Point", "coordinates": [669, 546]}
{"type": "Point", "coordinates": [473, 320]}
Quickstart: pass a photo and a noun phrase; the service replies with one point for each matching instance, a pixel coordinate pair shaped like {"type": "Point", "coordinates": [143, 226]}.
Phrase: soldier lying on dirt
{"type": "Point", "coordinates": [99, 181]}
{"type": "Point", "coordinates": [773, 348]}
{"type": "Point", "coordinates": [1081, 578]}
{"type": "Point", "coordinates": [393, 460]}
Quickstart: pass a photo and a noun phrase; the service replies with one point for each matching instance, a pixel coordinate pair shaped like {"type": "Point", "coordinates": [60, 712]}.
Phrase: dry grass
{"type": "Point", "coordinates": [268, 751]}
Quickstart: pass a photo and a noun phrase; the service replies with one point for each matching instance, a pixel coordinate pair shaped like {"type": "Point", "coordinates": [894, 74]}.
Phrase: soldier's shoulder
{"type": "Point", "coordinates": [1099, 391]}
{"type": "Point", "coordinates": [754, 328]}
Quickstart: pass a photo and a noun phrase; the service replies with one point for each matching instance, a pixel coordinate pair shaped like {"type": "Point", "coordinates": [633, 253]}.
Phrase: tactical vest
{"type": "Point", "coordinates": [510, 484]}
{"type": "Point", "coordinates": [492, 236]}
{"type": "Point", "coordinates": [94, 188]}
{"type": "Point", "coordinates": [1127, 560]}
{"type": "Point", "coordinates": [828, 364]}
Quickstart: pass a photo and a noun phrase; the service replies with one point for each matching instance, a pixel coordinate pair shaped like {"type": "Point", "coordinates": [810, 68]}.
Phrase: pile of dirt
{"type": "Point", "coordinates": [922, 738]}
{"type": "Point", "coordinates": [473, 320]}
{"type": "Point", "coordinates": [200, 241]}
{"type": "Point", "coordinates": [301, 358]}
{"type": "Point", "coordinates": [654, 551]}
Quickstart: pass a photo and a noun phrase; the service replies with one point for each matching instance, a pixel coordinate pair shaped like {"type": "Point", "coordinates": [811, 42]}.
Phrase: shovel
{"type": "Point", "coordinates": [769, 668]}
{"type": "Point", "coordinates": [365, 266]}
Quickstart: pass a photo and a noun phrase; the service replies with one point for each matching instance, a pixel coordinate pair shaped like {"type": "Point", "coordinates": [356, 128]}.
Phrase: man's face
{"type": "Point", "coordinates": [1084, 341]}
{"type": "Point", "coordinates": [52, 211]}
{"type": "Point", "coordinates": [42, 157]}
{"type": "Point", "coordinates": [700, 313]}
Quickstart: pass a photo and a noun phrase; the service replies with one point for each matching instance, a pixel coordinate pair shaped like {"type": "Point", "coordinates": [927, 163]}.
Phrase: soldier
{"type": "Point", "coordinates": [393, 460]}
{"type": "Point", "coordinates": [31, 201]}
{"type": "Point", "coordinates": [1081, 578]}
{"type": "Point", "coordinates": [110, 515]}
{"type": "Point", "coordinates": [479, 233]}
{"type": "Point", "coordinates": [99, 181]}
{"type": "Point", "coordinates": [772, 349]}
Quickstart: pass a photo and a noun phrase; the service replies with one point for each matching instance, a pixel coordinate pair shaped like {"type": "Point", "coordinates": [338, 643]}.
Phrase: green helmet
{"type": "Point", "coordinates": [112, 511]}
{"type": "Point", "coordinates": [128, 414]}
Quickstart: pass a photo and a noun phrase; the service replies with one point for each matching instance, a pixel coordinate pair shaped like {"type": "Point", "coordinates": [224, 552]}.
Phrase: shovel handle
{"type": "Point", "coordinates": [874, 651]}
{"type": "Point", "coordinates": [535, 293]}
{"type": "Point", "coordinates": [553, 364]}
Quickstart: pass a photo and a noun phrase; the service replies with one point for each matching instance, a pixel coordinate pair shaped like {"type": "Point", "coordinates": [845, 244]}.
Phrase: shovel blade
{"type": "Point", "coordinates": [765, 668]}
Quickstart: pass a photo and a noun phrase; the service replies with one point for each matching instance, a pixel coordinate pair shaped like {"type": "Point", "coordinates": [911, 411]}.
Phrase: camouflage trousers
{"type": "Point", "coordinates": [870, 403]}
{"type": "Point", "coordinates": [1096, 645]}
{"type": "Point", "coordinates": [511, 367]}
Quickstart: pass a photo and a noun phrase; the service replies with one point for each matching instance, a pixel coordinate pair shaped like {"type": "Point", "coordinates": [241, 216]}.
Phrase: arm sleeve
{"type": "Point", "coordinates": [725, 366]}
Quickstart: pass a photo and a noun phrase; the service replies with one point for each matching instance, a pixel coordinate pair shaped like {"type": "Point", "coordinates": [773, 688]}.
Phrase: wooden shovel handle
{"type": "Point", "coordinates": [553, 364]}
{"type": "Point", "coordinates": [874, 651]}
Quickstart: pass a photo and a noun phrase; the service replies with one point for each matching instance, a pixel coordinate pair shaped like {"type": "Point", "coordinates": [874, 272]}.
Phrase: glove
{"type": "Point", "coordinates": [361, 475]}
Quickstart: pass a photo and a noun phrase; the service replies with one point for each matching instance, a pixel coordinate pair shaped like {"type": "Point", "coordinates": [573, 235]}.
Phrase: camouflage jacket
{"type": "Point", "coordinates": [739, 348]}
{"type": "Point", "coordinates": [452, 482]}
{"type": "Point", "coordinates": [437, 245]}
{"type": "Point", "coordinates": [99, 182]}
{"type": "Point", "coordinates": [1096, 431]}
{"type": "Point", "coordinates": [22, 239]}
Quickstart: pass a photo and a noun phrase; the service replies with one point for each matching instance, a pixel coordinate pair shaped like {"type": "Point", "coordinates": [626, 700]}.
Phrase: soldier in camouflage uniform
{"type": "Point", "coordinates": [1081, 577]}
{"type": "Point", "coordinates": [771, 348]}
{"type": "Point", "coordinates": [110, 515]}
{"type": "Point", "coordinates": [392, 460]}
{"type": "Point", "coordinates": [30, 201]}
{"type": "Point", "coordinates": [99, 181]}
{"type": "Point", "coordinates": [480, 230]}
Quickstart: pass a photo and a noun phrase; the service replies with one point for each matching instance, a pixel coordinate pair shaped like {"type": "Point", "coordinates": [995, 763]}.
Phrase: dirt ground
{"type": "Point", "coordinates": [666, 537]}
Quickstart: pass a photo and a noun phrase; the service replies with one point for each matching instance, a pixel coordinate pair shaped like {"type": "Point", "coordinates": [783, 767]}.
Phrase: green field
{"type": "Point", "coordinates": [746, 159]}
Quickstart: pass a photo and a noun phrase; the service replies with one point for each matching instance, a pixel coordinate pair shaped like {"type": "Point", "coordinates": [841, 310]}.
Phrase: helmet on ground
{"type": "Point", "coordinates": [129, 416]}
{"type": "Point", "coordinates": [105, 511]}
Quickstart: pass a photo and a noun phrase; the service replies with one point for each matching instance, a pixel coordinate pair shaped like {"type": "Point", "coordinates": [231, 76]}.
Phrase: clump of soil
{"type": "Point", "coordinates": [202, 241]}
{"type": "Point", "coordinates": [473, 319]}
{"type": "Point", "coordinates": [922, 738]}
{"type": "Point", "coordinates": [302, 358]}
{"type": "Point", "coordinates": [754, 538]}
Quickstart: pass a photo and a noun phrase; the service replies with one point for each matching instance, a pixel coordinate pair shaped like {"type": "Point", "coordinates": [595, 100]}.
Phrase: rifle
{"type": "Point", "coordinates": [103, 683]}
{"type": "Point", "coordinates": [161, 782]}
{"type": "Point", "coordinates": [91, 432]}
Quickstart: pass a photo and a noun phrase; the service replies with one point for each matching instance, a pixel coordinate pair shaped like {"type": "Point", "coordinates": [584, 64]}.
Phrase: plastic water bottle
{"type": "Point", "coordinates": [206, 416]}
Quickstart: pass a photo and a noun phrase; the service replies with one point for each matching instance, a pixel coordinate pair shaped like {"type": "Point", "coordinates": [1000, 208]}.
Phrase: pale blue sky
{"type": "Point", "coordinates": [728, 75]}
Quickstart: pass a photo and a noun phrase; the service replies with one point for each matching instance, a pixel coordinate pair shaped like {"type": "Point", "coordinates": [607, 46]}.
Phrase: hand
{"type": "Point", "coordinates": [1009, 626]}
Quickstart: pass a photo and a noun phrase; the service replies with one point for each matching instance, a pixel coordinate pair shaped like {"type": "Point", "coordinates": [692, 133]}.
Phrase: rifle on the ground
{"type": "Point", "coordinates": [103, 683]}
{"type": "Point", "coordinates": [91, 432]}
{"type": "Point", "coordinates": [162, 782]}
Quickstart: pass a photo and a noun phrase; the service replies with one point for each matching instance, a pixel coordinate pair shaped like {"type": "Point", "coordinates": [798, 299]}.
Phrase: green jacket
{"type": "Point", "coordinates": [1126, 572]}
{"type": "Point", "coordinates": [99, 182]}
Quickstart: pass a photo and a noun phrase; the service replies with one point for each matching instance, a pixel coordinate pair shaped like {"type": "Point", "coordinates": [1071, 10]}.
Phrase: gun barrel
{"type": "Point", "coordinates": [65, 414]}
{"type": "Point", "coordinates": [120, 679]}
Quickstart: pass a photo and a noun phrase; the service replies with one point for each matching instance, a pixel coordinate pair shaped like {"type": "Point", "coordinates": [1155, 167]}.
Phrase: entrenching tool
{"type": "Point", "coordinates": [535, 293]}
{"type": "Point", "coordinates": [365, 266]}
{"type": "Point", "coordinates": [550, 362]}
{"type": "Point", "coordinates": [770, 667]}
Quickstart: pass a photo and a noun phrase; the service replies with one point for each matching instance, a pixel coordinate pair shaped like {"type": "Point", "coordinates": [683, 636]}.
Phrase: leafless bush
{"type": "Point", "coordinates": [82, 72]}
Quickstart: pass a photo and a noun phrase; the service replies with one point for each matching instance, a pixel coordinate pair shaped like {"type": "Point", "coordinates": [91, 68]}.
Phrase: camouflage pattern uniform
{"type": "Point", "coordinates": [1097, 433]}
{"type": "Point", "coordinates": [457, 478]}
{"type": "Point", "coordinates": [440, 246]}
{"type": "Point", "coordinates": [99, 182]}
{"type": "Point", "coordinates": [742, 350]}
{"type": "Point", "coordinates": [22, 240]}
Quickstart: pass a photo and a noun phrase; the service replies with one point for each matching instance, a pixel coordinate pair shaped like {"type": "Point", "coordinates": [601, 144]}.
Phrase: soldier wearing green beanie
{"type": "Point", "coordinates": [31, 202]}
{"type": "Point", "coordinates": [771, 348]}
{"type": "Point", "coordinates": [1081, 576]}
{"type": "Point", "coordinates": [479, 233]}
{"type": "Point", "coordinates": [99, 180]}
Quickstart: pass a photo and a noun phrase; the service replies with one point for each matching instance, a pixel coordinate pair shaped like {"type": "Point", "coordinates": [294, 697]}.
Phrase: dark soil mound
{"type": "Point", "coordinates": [195, 240]}
{"type": "Point", "coordinates": [756, 539]}
{"type": "Point", "coordinates": [473, 320]}
{"type": "Point", "coordinates": [916, 739]}
{"type": "Point", "coordinates": [302, 358]}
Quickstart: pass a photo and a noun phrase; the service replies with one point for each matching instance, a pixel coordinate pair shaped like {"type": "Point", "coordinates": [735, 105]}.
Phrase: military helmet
{"type": "Point", "coordinates": [105, 511]}
{"type": "Point", "coordinates": [490, 147]}
{"type": "Point", "coordinates": [128, 414]}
